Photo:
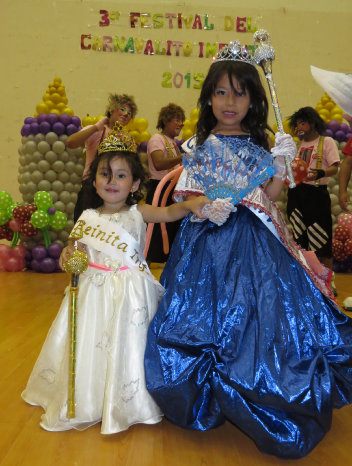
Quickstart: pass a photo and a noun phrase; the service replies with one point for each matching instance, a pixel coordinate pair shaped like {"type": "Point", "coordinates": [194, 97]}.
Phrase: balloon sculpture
{"type": "Point", "coordinates": [26, 220]}
{"type": "Point", "coordinates": [342, 244]}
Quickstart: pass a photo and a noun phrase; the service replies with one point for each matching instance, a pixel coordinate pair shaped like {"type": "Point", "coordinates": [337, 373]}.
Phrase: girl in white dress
{"type": "Point", "coordinates": [117, 298]}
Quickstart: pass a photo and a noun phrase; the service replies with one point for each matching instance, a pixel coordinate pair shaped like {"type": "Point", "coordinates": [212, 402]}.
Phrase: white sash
{"type": "Point", "coordinates": [110, 238]}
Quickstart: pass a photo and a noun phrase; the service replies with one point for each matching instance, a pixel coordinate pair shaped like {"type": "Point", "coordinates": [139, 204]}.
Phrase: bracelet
{"type": "Point", "coordinates": [320, 174]}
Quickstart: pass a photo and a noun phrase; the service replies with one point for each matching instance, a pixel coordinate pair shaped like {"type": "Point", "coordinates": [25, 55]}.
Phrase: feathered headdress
{"type": "Point", "coordinates": [229, 167]}
{"type": "Point", "coordinates": [118, 139]}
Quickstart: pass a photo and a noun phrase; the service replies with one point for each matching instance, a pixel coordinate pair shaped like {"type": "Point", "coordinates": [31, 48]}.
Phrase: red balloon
{"type": "Point", "coordinates": [14, 264]}
{"type": "Point", "coordinates": [338, 250]}
{"type": "Point", "coordinates": [19, 251]}
{"type": "Point", "coordinates": [5, 251]}
{"type": "Point", "coordinates": [348, 247]}
{"type": "Point", "coordinates": [342, 233]}
{"type": "Point", "coordinates": [15, 224]}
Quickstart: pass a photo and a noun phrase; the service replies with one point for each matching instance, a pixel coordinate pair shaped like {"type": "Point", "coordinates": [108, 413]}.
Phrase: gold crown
{"type": "Point", "coordinates": [118, 139]}
{"type": "Point", "coordinates": [235, 52]}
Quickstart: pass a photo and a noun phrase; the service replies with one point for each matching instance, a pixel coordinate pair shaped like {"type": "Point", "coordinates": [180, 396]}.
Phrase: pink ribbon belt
{"type": "Point", "coordinates": [107, 269]}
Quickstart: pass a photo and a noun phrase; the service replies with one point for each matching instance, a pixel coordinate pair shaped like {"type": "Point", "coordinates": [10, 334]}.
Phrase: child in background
{"type": "Point", "coordinates": [163, 156]}
{"type": "Point", "coordinates": [309, 204]}
{"type": "Point", "coordinates": [246, 331]}
{"type": "Point", "coordinates": [117, 298]}
{"type": "Point", "coordinates": [120, 110]}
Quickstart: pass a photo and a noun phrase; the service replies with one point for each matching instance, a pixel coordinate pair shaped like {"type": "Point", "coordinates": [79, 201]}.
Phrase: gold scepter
{"type": "Point", "coordinates": [76, 265]}
{"type": "Point", "coordinates": [264, 56]}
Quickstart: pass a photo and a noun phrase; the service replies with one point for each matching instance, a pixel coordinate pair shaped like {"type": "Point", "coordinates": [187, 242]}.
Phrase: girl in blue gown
{"type": "Point", "coordinates": [248, 330]}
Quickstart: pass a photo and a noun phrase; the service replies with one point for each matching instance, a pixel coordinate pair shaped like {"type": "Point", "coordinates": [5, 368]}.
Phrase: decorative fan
{"type": "Point", "coordinates": [229, 167]}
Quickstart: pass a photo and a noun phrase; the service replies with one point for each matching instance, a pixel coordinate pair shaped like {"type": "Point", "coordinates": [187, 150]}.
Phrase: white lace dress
{"type": "Point", "coordinates": [114, 311]}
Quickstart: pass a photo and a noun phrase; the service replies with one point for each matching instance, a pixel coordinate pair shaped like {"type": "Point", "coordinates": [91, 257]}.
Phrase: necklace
{"type": "Point", "coordinates": [169, 149]}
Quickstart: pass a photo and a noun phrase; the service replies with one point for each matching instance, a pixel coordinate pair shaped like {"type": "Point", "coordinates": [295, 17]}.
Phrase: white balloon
{"type": "Point", "coordinates": [50, 175]}
{"type": "Point", "coordinates": [334, 199]}
{"type": "Point", "coordinates": [64, 196]}
{"type": "Point", "coordinates": [57, 186]}
{"type": "Point", "coordinates": [44, 185]}
{"type": "Point", "coordinates": [59, 205]}
{"type": "Point", "coordinates": [37, 176]}
{"type": "Point", "coordinates": [76, 188]}
{"type": "Point", "coordinates": [64, 156]}
{"type": "Point", "coordinates": [336, 209]}
{"type": "Point", "coordinates": [51, 137]}
{"type": "Point", "coordinates": [63, 137]}
{"type": "Point", "coordinates": [21, 169]}
{"type": "Point", "coordinates": [79, 169]}
{"type": "Point", "coordinates": [31, 146]}
{"type": "Point", "coordinates": [37, 156]}
{"type": "Point", "coordinates": [58, 147]}
{"type": "Point", "coordinates": [54, 195]}
{"type": "Point", "coordinates": [43, 166]}
{"type": "Point", "coordinates": [73, 197]}
{"type": "Point", "coordinates": [22, 160]}
{"type": "Point", "coordinates": [31, 187]}
{"type": "Point", "coordinates": [69, 187]}
{"type": "Point", "coordinates": [58, 166]}
{"type": "Point", "coordinates": [63, 235]}
{"type": "Point", "coordinates": [23, 188]}
{"type": "Point", "coordinates": [43, 147]}
{"type": "Point", "coordinates": [50, 156]}
{"type": "Point", "coordinates": [39, 137]}
{"type": "Point", "coordinates": [335, 189]}
{"type": "Point", "coordinates": [32, 166]}
{"type": "Point", "coordinates": [75, 178]}
{"type": "Point", "coordinates": [24, 139]}
{"type": "Point", "coordinates": [70, 207]}
{"type": "Point", "coordinates": [63, 176]}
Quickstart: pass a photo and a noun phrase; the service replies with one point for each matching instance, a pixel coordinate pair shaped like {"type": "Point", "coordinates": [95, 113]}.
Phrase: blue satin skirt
{"type": "Point", "coordinates": [243, 334]}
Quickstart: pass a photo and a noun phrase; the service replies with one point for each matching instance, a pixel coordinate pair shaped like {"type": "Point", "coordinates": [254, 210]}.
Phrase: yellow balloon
{"type": "Point", "coordinates": [87, 120]}
{"type": "Point", "coordinates": [141, 124]}
{"type": "Point", "coordinates": [337, 110]}
{"type": "Point", "coordinates": [194, 114]}
{"type": "Point", "coordinates": [57, 80]}
{"type": "Point", "coordinates": [187, 125]}
{"type": "Point", "coordinates": [42, 108]}
{"type": "Point", "coordinates": [337, 117]}
{"type": "Point", "coordinates": [131, 125]}
{"type": "Point", "coordinates": [136, 136]}
{"type": "Point", "coordinates": [329, 105]}
{"type": "Point", "coordinates": [49, 104]}
{"type": "Point", "coordinates": [69, 111]}
{"type": "Point", "coordinates": [186, 134]}
{"type": "Point", "coordinates": [324, 113]}
{"type": "Point", "coordinates": [325, 99]}
{"type": "Point", "coordinates": [56, 111]}
{"type": "Point", "coordinates": [145, 136]}
{"type": "Point", "coordinates": [61, 106]}
{"type": "Point", "coordinates": [56, 98]}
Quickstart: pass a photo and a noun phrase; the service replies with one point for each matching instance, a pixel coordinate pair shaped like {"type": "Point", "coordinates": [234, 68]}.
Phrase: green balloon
{"type": "Point", "coordinates": [58, 220]}
{"type": "Point", "coordinates": [39, 219]}
{"type": "Point", "coordinates": [43, 200]}
{"type": "Point", "coordinates": [5, 200]}
{"type": "Point", "coordinates": [3, 217]}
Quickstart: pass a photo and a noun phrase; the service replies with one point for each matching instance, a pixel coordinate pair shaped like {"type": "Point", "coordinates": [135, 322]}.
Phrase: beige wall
{"type": "Point", "coordinates": [40, 40]}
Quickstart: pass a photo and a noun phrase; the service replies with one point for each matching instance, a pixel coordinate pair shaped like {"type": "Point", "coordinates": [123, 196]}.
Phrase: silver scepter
{"type": "Point", "coordinates": [264, 56]}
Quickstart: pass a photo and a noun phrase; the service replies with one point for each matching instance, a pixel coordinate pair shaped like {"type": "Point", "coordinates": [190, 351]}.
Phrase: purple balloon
{"type": "Point", "coordinates": [39, 252]}
{"type": "Point", "coordinates": [75, 120]}
{"type": "Point", "coordinates": [48, 265]}
{"type": "Point", "coordinates": [58, 128]}
{"type": "Point", "coordinates": [35, 265]}
{"type": "Point", "coordinates": [29, 120]}
{"type": "Point", "coordinates": [26, 130]}
{"type": "Point", "coordinates": [52, 118]}
{"type": "Point", "coordinates": [65, 119]}
{"type": "Point", "coordinates": [34, 128]}
{"type": "Point", "coordinates": [44, 127]}
{"type": "Point", "coordinates": [70, 129]}
{"type": "Point", "coordinates": [41, 117]}
{"type": "Point", "coordinates": [54, 250]}
{"type": "Point", "coordinates": [143, 146]}
{"type": "Point", "coordinates": [340, 136]}
{"type": "Point", "coordinates": [344, 127]}
{"type": "Point", "coordinates": [328, 132]}
{"type": "Point", "coordinates": [333, 125]}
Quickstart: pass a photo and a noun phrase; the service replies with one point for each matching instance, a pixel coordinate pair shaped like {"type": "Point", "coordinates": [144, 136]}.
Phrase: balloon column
{"type": "Point", "coordinates": [332, 115]}
{"type": "Point", "coordinates": [25, 220]}
{"type": "Point", "coordinates": [45, 164]}
{"type": "Point", "coordinates": [342, 244]}
{"type": "Point", "coordinates": [189, 126]}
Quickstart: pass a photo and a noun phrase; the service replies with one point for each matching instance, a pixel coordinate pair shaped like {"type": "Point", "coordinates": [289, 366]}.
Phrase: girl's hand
{"type": "Point", "coordinates": [196, 204]}
{"type": "Point", "coordinates": [65, 255]}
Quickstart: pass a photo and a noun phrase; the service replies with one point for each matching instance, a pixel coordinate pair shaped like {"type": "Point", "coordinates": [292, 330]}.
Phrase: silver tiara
{"type": "Point", "coordinates": [235, 52]}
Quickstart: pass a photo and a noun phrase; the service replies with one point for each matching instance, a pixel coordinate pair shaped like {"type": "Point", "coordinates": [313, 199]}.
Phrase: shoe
{"type": "Point", "coordinates": [333, 286]}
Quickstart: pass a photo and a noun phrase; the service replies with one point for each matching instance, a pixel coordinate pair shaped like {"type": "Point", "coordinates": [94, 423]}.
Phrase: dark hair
{"type": "Point", "coordinates": [255, 122]}
{"type": "Point", "coordinates": [169, 112]}
{"type": "Point", "coordinates": [308, 115]}
{"type": "Point", "coordinates": [90, 198]}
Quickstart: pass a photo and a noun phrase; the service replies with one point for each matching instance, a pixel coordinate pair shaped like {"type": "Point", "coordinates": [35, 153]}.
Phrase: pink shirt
{"type": "Point", "coordinates": [157, 142]}
{"type": "Point", "coordinates": [92, 144]}
{"type": "Point", "coordinates": [308, 152]}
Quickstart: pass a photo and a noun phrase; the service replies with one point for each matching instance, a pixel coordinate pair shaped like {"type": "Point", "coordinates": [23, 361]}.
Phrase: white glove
{"type": "Point", "coordinates": [285, 146]}
{"type": "Point", "coordinates": [218, 211]}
